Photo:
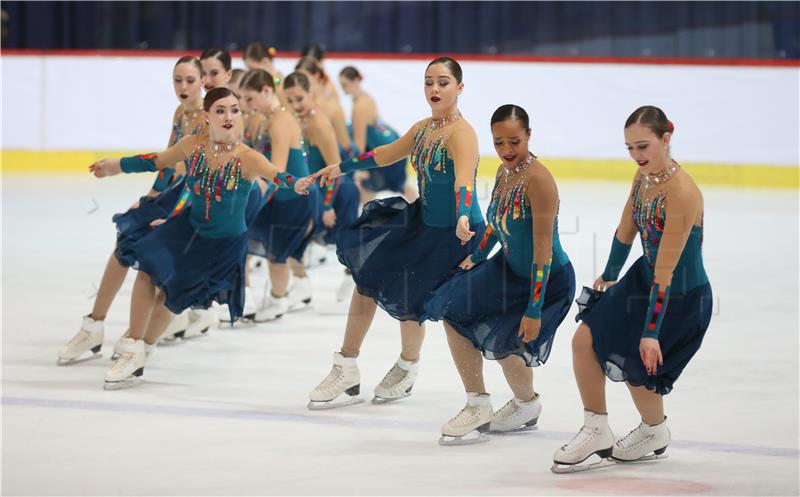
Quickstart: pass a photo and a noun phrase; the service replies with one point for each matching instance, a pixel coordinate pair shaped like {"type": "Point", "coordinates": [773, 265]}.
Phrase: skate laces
{"type": "Point", "coordinates": [584, 436]}
{"type": "Point", "coordinates": [393, 378]}
{"type": "Point", "coordinates": [636, 437]}
{"type": "Point", "coordinates": [335, 376]}
{"type": "Point", "coordinates": [468, 415]}
{"type": "Point", "coordinates": [507, 411]}
{"type": "Point", "coordinates": [80, 338]}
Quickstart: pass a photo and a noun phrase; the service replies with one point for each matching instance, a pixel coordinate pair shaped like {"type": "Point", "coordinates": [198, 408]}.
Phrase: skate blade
{"type": "Point", "coordinates": [332, 404]}
{"type": "Point", "coordinates": [196, 334]}
{"type": "Point", "coordinates": [300, 306]}
{"type": "Point", "coordinates": [78, 360]}
{"type": "Point", "coordinates": [380, 400]}
{"type": "Point", "coordinates": [471, 438]}
{"type": "Point", "coordinates": [121, 385]}
{"type": "Point", "coordinates": [655, 456]}
{"type": "Point", "coordinates": [560, 468]}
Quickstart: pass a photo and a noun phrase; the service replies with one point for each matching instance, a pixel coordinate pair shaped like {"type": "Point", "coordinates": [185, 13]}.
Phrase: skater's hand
{"type": "Point", "coordinates": [650, 351]}
{"type": "Point", "coordinates": [105, 167]}
{"type": "Point", "coordinates": [329, 218]}
{"type": "Point", "coordinates": [462, 230]}
{"type": "Point", "coordinates": [529, 329]}
{"type": "Point", "coordinates": [602, 285]}
{"type": "Point", "coordinates": [326, 175]}
{"type": "Point", "coordinates": [467, 263]}
{"type": "Point", "coordinates": [302, 185]}
{"type": "Point", "coordinates": [157, 222]}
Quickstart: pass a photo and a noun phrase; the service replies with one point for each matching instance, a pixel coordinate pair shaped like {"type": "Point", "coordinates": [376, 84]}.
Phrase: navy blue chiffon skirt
{"type": "Point", "coordinates": [345, 205]}
{"type": "Point", "coordinates": [192, 270]}
{"type": "Point", "coordinates": [134, 223]}
{"type": "Point", "coordinates": [617, 320]}
{"type": "Point", "coordinates": [398, 260]}
{"type": "Point", "coordinates": [486, 304]}
{"type": "Point", "coordinates": [283, 228]}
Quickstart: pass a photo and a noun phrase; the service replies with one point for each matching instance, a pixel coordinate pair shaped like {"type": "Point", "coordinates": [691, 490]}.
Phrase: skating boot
{"type": "Point", "coordinates": [128, 369]}
{"type": "Point", "coordinates": [340, 388]}
{"type": "Point", "coordinates": [315, 255]}
{"type": "Point", "coordinates": [345, 290]}
{"type": "Point", "coordinates": [397, 383]}
{"type": "Point", "coordinates": [85, 345]}
{"type": "Point", "coordinates": [594, 437]}
{"type": "Point", "coordinates": [470, 425]}
{"type": "Point", "coordinates": [644, 443]}
{"type": "Point", "coordinates": [148, 348]}
{"type": "Point", "coordinates": [176, 329]}
{"type": "Point", "coordinates": [200, 322]}
{"type": "Point", "coordinates": [517, 415]}
{"type": "Point", "coordinates": [250, 307]}
{"type": "Point", "coordinates": [274, 307]}
{"type": "Point", "coordinates": [300, 293]}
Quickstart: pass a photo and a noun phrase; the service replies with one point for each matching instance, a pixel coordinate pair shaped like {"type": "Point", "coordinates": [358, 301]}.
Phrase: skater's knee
{"type": "Point", "coordinates": [582, 340]}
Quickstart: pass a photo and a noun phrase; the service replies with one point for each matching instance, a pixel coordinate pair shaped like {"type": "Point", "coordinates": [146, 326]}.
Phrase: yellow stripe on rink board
{"type": "Point", "coordinates": [762, 176]}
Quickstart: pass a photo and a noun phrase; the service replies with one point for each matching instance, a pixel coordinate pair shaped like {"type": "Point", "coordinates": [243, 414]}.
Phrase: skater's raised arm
{"type": "Point", "coordinates": [147, 162]}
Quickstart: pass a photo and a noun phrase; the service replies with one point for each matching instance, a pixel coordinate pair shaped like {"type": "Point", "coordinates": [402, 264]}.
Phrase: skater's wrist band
{"type": "Point", "coordinates": [539, 277]}
{"type": "Point", "coordinates": [284, 180]}
{"type": "Point", "coordinates": [138, 164]}
{"type": "Point", "coordinates": [360, 163]}
{"type": "Point", "coordinates": [616, 259]}
{"type": "Point", "coordinates": [656, 308]}
{"type": "Point", "coordinates": [463, 201]}
{"type": "Point", "coordinates": [487, 242]}
{"type": "Point", "coordinates": [330, 191]}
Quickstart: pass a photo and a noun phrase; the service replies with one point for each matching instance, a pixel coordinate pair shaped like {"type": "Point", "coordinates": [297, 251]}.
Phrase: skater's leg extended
{"type": "Point", "coordinates": [468, 360]}
{"type": "Point", "coordinates": [113, 278]}
{"type": "Point", "coordinates": [588, 373]}
{"type": "Point", "coordinates": [359, 318]}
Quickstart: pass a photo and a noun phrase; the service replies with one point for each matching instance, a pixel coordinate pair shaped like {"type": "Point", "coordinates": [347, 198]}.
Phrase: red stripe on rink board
{"type": "Point", "coordinates": [426, 57]}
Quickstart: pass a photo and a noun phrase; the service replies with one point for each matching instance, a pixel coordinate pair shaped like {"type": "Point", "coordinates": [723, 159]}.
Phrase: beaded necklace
{"type": "Point", "coordinates": [511, 199]}
{"type": "Point", "coordinates": [210, 175]}
{"type": "Point", "coordinates": [431, 152]}
{"type": "Point", "coordinates": [662, 176]}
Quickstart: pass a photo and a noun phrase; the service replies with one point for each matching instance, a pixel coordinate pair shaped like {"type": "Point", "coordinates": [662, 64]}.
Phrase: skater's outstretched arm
{"type": "Point", "coordinates": [147, 162]}
{"type": "Point", "coordinates": [361, 116]}
{"type": "Point", "coordinates": [280, 133]}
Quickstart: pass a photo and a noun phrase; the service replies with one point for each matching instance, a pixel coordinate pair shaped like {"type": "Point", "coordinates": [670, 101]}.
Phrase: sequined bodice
{"type": "Point", "coordinates": [650, 216]}
{"type": "Point", "coordinates": [511, 217]}
{"type": "Point", "coordinates": [219, 195]}
{"type": "Point", "coordinates": [436, 179]}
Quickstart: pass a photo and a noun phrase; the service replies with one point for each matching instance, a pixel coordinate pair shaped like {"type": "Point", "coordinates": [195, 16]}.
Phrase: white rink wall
{"type": "Point", "coordinates": [723, 114]}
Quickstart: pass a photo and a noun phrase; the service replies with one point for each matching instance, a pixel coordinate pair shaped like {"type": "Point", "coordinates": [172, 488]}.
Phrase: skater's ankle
{"type": "Point", "coordinates": [412, 361]}
{"type": "Point", "coordinates": [349, 353]}
{"type": "Point", "coordinates": [275, 295]}
{"type": "Point", "coordinates": [654, 421]}
{"type": "Point", "coordinates": [601, 413]}
{"type": "Point", "coordinates": [528, 398]}
{"type": "Point", "coordinates": [95, 317]}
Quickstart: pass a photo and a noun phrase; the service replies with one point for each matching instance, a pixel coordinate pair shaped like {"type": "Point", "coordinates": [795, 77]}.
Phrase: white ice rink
{"type": "Point", "coordinates": [226, 414]}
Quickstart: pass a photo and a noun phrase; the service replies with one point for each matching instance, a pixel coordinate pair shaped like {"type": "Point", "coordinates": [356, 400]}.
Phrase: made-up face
{"type": "Point", "coordinates": [258, 100]}
{"type": "Point", "coordinates": [511, 141]}
{"type": "Point", "coordinates": [349, 85]}
{"type": "Point", "coordinates": [441, 88]}
{"type": "Point", "coordinates": [299, 99]}
{"type": "Point", "coordinates": [216, 76]}
{"type": "Point", "coordinates": [650, 152]}
{"type": "Point", "coordinates": [187, 81]}
{"type": "Point", "coordinates": [222, 118]}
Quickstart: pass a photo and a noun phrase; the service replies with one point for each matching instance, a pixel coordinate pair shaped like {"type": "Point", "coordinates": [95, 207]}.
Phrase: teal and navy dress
{"type": "Point", "coordinates": [198, 255]}
{"type": "Point", "coordinates": [135, 222]}
{"type": "Point", "coordinates": [342, 196]}
{"type": "Point", "coordinates": [618, 317]}
{"type": "Point", "coordinates": [487, 303]}
{"type": "Point", "coordinates": [283, 226]}
{"type": "Point", "coordinates": [399, 253]}
{"type": "Point", "coordinates": [391, 177]}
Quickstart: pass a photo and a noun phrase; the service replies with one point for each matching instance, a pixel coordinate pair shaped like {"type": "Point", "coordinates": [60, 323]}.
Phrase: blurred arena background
{"type": "Point", "coordinates": [88, 78]}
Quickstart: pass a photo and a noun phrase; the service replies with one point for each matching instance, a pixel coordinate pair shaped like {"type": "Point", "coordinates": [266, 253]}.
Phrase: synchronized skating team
{"type": "Point", "coordinates": [266, 165]}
